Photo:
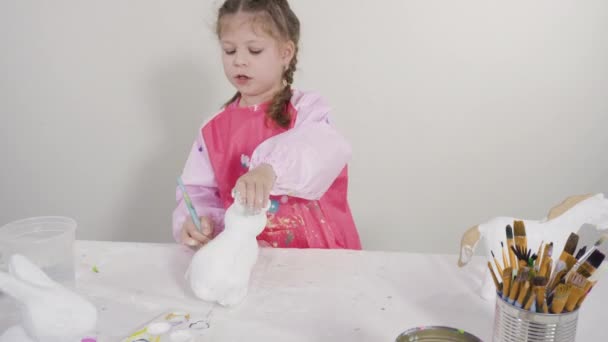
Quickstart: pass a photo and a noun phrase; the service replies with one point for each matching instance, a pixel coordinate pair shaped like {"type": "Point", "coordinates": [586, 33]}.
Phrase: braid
{"type": "Point", "coordinates": [234, 97]}
{"type": "Point", "coordinates": [279, 108]}
{"type": "Point", "coordinates": [288, 75]}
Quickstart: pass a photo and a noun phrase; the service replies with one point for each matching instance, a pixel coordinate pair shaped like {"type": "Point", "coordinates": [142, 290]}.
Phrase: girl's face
{"type": "Point", "coordinates": [254, 61]}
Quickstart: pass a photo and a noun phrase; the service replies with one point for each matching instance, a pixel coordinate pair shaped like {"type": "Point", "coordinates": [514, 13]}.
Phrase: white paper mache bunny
{"type": "Point", "coordinates": [49, 311]}
{"type": "Point", "coordinates": [221, 269]}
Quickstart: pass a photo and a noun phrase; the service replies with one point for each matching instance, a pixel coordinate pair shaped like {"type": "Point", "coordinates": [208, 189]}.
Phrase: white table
{"type": "Point", "coordinates": [301, 295]}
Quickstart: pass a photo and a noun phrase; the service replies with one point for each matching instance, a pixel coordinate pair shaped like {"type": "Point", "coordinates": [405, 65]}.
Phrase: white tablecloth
{"type": "Point", "coordinates": [301, 295]}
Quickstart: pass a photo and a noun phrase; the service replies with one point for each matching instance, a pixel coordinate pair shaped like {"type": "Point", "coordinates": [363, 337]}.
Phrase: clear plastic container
{"type": "Point", "coordinates": [47, 241]}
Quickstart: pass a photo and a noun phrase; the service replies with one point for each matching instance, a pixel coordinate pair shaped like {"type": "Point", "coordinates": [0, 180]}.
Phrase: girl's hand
{"type": "Point", "coordinates": [253, 188]}
{"type": "Point", "coordinates": [192, 237]}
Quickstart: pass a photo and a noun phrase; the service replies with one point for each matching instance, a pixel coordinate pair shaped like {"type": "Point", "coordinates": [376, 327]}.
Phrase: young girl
{"type": "Point", "coordinates": [269, 142]}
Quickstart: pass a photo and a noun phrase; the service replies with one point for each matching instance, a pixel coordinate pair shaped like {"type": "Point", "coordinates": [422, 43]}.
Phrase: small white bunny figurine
{"type": "Point", "coordinates": [220, 270]}
{"type": "Point", "coordinates": [49, 311]}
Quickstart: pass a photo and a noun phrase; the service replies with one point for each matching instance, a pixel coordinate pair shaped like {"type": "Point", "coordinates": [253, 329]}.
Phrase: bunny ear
{"type": "Point", "coordinates": [16, 288]}
{"type": "Point", "coordinates": [15, 333]}
{"type": "Point", "coordinates": [23, 269]}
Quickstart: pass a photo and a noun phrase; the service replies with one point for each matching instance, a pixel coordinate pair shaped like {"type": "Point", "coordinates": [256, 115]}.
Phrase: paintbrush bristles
{"type": "Point", "coordinates": [559, 298]}
{"type": "Point", "coordinates": [562, 290]}
{"type": "Point", "coordinates": [588, 286]}
{"type": "Point", "coordinates": [521, 253]}
{"type": "Point", "coordinates": [596, 258]}
{"type": "Point", "coordinates": [539, 281]}
{"type": "Point", "coordinates": [520, 234]}
{"type": "Point", "coordinates": [581, 252]}
{"type": "Point", "coordinates": [591, 264]}
{"type": "Point", "coordinates": [580, 286]}
{"type": "Point", "coordinates": [509, 232]}
{"type": "Point", "coordinates": [519, 228]}
{"type": "Point", "coordinates": [512, 259]}
{"type": "Point", "coordinates": [571, 244]}
{"type": "Point", "coordinates": [575, 295]}
{"type": "Point", "coordinates": [523, 275]}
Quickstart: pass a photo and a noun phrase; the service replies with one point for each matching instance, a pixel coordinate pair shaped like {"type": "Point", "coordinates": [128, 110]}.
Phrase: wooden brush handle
{"type": "Point", "coordinates": [523, 293]}
{"type": "Point", "coordinates": [500, 269]}
{"type": "Point", "coordinates": [514, 290]}
{"type": "Point", "coordinates": [530, 301]}
{"type": "Point", "coordinates": [505, 260]}
{"type": "Point", "coordinates": [506, 283]}
{"type": "Point", "coordinates": [494, 277]}
{"type": "Point", "coordinates": [540, 296]}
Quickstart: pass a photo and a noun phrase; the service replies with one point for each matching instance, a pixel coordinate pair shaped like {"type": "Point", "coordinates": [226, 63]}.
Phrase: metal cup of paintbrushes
{"type": "Point", "coordinates": [512, 324]}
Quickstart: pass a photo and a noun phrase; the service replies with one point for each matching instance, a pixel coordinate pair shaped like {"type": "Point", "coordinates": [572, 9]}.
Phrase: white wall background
{"type": "Point", "coordinates": [458, 111]}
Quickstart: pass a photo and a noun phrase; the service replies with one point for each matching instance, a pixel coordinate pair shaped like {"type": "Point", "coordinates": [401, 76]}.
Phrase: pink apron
{"type": "Point", "coordinates": [230, 138]}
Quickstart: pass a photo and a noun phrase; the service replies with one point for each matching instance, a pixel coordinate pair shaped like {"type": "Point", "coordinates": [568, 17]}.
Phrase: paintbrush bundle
{"type": "Point", "coordinates": [538, 283]}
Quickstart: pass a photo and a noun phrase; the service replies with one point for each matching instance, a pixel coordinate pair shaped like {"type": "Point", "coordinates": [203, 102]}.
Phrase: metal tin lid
{"type": "Point", "coordinates": [436, 333]}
